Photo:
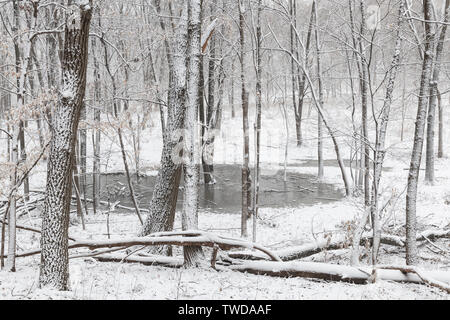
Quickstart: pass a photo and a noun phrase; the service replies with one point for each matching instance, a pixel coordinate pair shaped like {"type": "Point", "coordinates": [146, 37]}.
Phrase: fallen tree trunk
{"type": "Point", "coordinates": [187, 238]}
{"type": "Point", "coordinates": [421, 274]}
{"type": "Point", "coordinates": [303, 251]}
{"type": "Point", "coordinates": [183, 238]}
{"type": "Point", "coordinates": [331, 272]}
{"type": "Point", "coordinates": [170, 262]}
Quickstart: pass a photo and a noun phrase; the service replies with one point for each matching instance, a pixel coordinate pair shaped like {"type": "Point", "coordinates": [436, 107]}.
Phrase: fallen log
{"type": "Point", "coordinates": [332, 272]}
{"type": "Point", "coordinates": [184, 238]}
{"type": "Point", "coordinates": [422, 275]}
{"type": "Point", "coordinates": [206, 240]}
{"type": "Point", "coordinates": [306, 250]}
{"type": "Point", "coordinates": [171, 262]}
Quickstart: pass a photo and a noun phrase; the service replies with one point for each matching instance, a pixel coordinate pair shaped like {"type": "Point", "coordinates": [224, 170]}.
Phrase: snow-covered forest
{"type": "Point", "coordinates": [224, 149]}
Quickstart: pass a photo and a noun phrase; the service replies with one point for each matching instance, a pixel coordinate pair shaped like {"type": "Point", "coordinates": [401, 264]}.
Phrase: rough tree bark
{"type": "Point", "coordinates": [246, 185]}
{"type": "Point", "coordinates": [364, 104]}
{"type": "Point", "coordinates": [54, 271]}
{"type": "Point", "coordinates": [416, 155]}
{"type": "Point", "coordinates": [165, 193]}
{"type": "Point", "coordinates": [207, 141]}
{"type": "Point", "coordinates": [192, 254]}
{"type": "Point", "coordinates": [259, 71]}
{"type": "Point", "coordinates": [434, 92]}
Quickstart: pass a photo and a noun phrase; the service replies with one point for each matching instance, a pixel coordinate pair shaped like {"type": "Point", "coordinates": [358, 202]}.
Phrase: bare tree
{"type": "Point", "coordinates": [434, 93]}
{"type": "Point", "coordinates": [416, 155]}
{"type": "Point", "coordinates": [192, 254]}
{"type": "Point", "coordinates": [165, 193]}
{"type": "Point", "coordinates": [381, 130]}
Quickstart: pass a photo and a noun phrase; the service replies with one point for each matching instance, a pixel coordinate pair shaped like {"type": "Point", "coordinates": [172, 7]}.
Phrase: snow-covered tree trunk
{"type": "Point", "coordinates": [96, 132]}
{"type": "Point", "coordinates": [246, 185]}
{"type": "Point", "coordinates": [192, 254]}
{"type": "Point", "coordinates": [364, 104]}
{"type": "Point", "coordinates": [208, 140]}
{"type": "Point", "coordinates": [320, 88]}
{"type": "Point", "coordinates": [293, 48]}
{"type": "Point", "coordinates": [429, 169]}
{"type": "Point", "coordinates": [22, 49]}
{"type": "Point", "coordinates": [380, 149]}
{"type": "Point", "coordinates": [165, 193]}
{"type": "Point", "coordinates": [302, 80]}
{"type": "Point", "coordinates": [416, 155]}
{"type": "Point", "coordinates": [259, 70]}
{"type": "Point", "coordinates": [54, 271]}
{"type": "Point", "coordinates": [441, 126]}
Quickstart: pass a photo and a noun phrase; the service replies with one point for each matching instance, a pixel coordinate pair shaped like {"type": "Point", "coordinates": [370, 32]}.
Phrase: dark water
{"type": "Point", "coordinates": [225, 195]}
{"type": "Point", "coordinates": [328, 163]}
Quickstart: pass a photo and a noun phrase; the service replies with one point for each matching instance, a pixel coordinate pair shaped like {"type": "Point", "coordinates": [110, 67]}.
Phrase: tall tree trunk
{"type": "Point", "coordinates": [364, 105]}
{"type": "Point", "coordinates": [259, 71]}
{"type": "Point", "coordinates": [54, 270]}
{"type": "Point", "coordinates": [416, 155]}
{"type": "Point", "coordinates": [233, 112]}
{"type": "Point", "coordinates": [429, 168]}
{"type": "Point", "coordinates": [96, 133]}
{"type": "Point", "coordinates": [441, 126]}
{"type": "Point", "coordinates": [380, 149]}
{"type": "Point", "coordinates": [293, 48]}
{"type": "Point", "coordinates": [246, 185]}
{"type": "Point", "coordinates": [192, 254]}
{"type": "Point", "coordinates": [207, 141]}
{"type": "Point", "coordinates": [302, 76]}
{"type": "Point", "coordinates": [165, 193]}
{"type": "Point", "coordinates": [319, 78]}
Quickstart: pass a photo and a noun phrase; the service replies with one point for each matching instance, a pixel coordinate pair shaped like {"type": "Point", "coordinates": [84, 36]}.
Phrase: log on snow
{"type": "Point", "coordinates": [202, 240]}
{"type": "Point", "coordinates": [332, 272]}
{"type": "Point", "coordinates": [306, 250]}
{"type": "Point", "coordinates": [171, 262]}
{"type": "Point", "coordinates": [183, 238]}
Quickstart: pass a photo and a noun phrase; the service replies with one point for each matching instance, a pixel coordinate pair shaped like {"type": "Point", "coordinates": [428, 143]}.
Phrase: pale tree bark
{"type": "Point", "coordinates": [22, 49]}
{"type": "Point", "coordinates": [246, 184]}
{"type": "Point", "coordinates": [208, 126]}
{"type": "Point", "coordinates": [320, 88]}
{"type": "Point", "coordinates": [96, 132]}
{"type": "Point", "coordinates": [233, 111]}
{"type": "Point", "coordinates": [294, 49]}
{"type": "Point", "coordinates": [359, 64]}
{"type": "Point", "coordinates": [302, 80]}
{"type": "Point", "coordinates": [192, 254]}
{"type": "Point", "coordinates": [434, 92]}
{"type": "Point", "coordinates": [364, 104]}
{"type": "Point", "coordinates": [54, 270]}
{"type": "Point", "coordinates": [416, 155]}
{"type": "Point", "coordinates": [259, 71]}
{"type": "Point", "coordinates": [441, 126]}
{"type": "Point", "coordinates": [165, 193]}
{"type": "Point", "coordinates": [380, 149]}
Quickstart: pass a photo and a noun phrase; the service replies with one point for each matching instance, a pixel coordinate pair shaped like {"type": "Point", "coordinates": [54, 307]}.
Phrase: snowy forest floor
{"type": "Point", "coordinates": [277, 228]}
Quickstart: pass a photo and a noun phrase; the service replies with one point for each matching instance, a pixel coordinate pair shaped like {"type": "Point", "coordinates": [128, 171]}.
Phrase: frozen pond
{"type": "Point", "coordinates": [225, 196]}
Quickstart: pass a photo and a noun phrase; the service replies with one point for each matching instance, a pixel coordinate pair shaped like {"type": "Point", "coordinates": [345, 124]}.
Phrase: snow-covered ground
{"type": "Point", "coordinates": [277, 228]}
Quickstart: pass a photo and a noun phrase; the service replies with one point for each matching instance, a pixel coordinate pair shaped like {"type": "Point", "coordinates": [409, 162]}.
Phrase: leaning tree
{"type": "Point", "coordinates": [54, 271]}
